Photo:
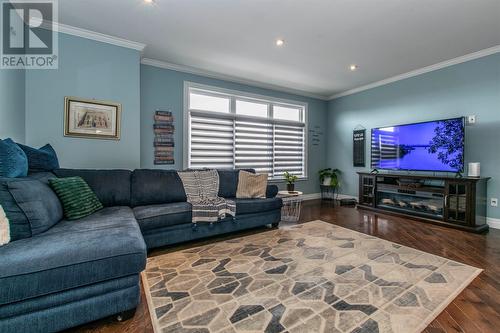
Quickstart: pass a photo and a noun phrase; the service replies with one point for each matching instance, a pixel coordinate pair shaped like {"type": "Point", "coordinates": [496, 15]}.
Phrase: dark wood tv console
{"type": "Point", "coordinates": [454, 202]}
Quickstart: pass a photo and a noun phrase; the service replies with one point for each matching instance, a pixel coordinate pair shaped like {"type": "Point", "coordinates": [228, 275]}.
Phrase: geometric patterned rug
{"type": "Point", "coordinates": [312, 277]}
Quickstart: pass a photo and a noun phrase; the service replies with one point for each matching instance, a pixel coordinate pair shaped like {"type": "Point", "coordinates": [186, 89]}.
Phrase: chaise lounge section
{"type": "Point", "coordinates": [82, 270]}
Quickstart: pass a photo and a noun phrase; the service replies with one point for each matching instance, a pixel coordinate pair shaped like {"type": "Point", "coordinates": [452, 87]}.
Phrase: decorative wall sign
{"type": "Point", "coordinates": [315, 135]}
{"type": "Point", "coordinates": [358, 144]}
{"type": "Point", "coordinates": [90, 118]}
{"type": "Point", "coordinates": [164, 137]}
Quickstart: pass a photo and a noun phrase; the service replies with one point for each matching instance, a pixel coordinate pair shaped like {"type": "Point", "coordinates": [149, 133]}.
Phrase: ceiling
{"type": "Point", "coordinates": [322, 37]}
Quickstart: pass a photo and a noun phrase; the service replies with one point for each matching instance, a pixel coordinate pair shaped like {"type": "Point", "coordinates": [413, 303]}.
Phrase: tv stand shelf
{"type": "Point", "coordinates": [455, 202]}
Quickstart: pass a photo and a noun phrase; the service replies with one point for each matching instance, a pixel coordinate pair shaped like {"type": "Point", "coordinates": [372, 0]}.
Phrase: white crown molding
{"type": "Point", "coordinates": [230, 78]}
{"type": "Point", "coordinates": [447, 63]}
{"type": "Point", "coordinates": [100, 37]}
{"type": "Point", "coordinates": [97, 36]}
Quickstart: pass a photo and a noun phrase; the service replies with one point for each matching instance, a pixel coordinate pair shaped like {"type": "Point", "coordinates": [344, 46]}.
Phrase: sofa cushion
{"type": "Point", "coordinates": [76, 197]}
{"type": "Point", "coordinates": [18, 222]}
{"type": "Point", "coordinates": [251, 185]}
{"type": "Point", "coordinates": [42, 176]}
{"type": "Point", "coordinates": [271, 191]}
{"type": "Point", "coordinates": [228, 182]}
{"type": "Point", "coordinates": [250, 206]}
{"type": "Point", "coordinates": [112, 187]}
{"type": "Point", "coordinates": [13, 160]}
{"type": "Point", "coordinates": [43, 159]}
{"type": "Point", "coordinates": [31, 208]}
{"type": "Point", "coordinates": [151, 187]}
{"type": "Point", "coordinates": [159, 216]}
{"type": "Point", "coordinates": [103, 246]}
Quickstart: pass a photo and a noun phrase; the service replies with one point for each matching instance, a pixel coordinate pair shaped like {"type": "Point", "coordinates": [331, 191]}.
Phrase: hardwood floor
{"type": "Point", "coordinates": [476, 309]}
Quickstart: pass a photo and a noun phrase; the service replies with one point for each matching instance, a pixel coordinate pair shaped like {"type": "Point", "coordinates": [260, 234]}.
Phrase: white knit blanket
{"type": "Point", "coordinates": [4, 228]}
{"type": "Point", "coordinates": [202, 188]}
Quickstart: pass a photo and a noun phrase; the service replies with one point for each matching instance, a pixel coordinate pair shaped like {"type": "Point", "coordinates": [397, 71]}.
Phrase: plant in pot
{"type": "Point", "coordinates": [290, 181]}
{"type": "Point", "coordinates": [329, 177]}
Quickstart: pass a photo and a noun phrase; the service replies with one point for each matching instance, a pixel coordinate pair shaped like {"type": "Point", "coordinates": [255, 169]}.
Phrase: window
{"type": "Point", "coordinates": [231, 129]}
{"type": "Point", "coordinates": [287, 113]}
{"type": "Point", "coordinates": [252, 108]}
{"type": "Point", "coordinates": [208, 102]}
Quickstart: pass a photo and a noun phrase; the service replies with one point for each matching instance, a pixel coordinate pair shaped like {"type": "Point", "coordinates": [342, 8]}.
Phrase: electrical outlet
{"type": "Point", "coordinates": [471, 119]}
{"type": "Point", "coordinates": [494, 202]}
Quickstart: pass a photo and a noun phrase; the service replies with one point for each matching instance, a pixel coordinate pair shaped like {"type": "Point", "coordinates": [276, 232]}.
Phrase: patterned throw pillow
{"type": "Point", "coordinates": [13, 160]}
{"type": "Point", "coordinates": [77, 198]}
{"type": "Point", "coordinates": [4, 228]}
{"type": "Point", "coordinates": [251, 185]}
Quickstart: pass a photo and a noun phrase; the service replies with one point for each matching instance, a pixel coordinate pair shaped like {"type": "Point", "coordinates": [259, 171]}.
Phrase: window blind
{"type": "Point", "coordinates": [231, 140]}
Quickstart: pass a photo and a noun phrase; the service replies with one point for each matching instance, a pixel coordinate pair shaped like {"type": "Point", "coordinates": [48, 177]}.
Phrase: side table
{"type": "Point", "coordinates": [292, 202]}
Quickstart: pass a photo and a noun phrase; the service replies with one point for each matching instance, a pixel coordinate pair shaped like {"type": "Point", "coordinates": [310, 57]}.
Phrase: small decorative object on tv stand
{"type": "Point", "coordinates": [474, 169]}
{"type": "Point", "coordinates": [454, 202]}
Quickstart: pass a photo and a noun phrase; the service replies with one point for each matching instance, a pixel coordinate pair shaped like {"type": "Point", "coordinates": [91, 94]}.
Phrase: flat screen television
{"type": "Point", "coordinates": [427, 146]}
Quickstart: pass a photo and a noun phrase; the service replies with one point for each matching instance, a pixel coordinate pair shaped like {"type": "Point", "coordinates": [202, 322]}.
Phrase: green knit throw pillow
{"type": "Point", "coordinates": [77, 198]}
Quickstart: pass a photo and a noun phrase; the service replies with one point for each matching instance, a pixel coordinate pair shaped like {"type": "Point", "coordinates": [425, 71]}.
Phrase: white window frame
{"type": "Point", "coordinates": [233, 95]}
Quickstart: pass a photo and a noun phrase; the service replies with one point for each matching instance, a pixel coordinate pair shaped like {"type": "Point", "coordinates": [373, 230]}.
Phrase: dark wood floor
{"type": "Point", "coordinates": [476, 309]}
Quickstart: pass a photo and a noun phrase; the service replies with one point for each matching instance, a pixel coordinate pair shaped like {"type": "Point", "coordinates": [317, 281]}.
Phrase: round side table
{"type": "Point", "coordinates": [292, 202]}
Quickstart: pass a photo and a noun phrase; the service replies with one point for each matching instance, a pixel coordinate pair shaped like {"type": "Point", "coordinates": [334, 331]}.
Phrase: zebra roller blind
{"type": "Point", "coordinates": [233, 130]}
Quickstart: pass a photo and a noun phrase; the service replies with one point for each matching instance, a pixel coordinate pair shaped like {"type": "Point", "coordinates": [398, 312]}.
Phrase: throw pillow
{"type": "Point", "coordinates": [13, 161]}
{"type": "Point", "coordinates": [77, 198]}
{"type": "Point", "coordinates": [251, 185]}
{"type": "Point", "coordinates": [228, 182]}
{"type": "Point", "coordinates": [40, 207]}
{"type": "Point", "coordinates": [43, 159]}
{"type": "Point", "coordinates": [18, 222]}
{"type": "Point", "coordinates": [4, 228]}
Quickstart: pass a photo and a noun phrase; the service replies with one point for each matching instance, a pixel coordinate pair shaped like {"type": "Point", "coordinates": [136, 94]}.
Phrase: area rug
{"type": "Point", "coordinates": [312, 277]}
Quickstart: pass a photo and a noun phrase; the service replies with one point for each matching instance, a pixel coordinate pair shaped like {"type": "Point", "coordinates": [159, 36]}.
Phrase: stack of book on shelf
{"type": "Point", "coordinates": [164, 137]}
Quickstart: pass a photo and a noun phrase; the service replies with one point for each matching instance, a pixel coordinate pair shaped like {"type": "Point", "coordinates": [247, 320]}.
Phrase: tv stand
{"type": "Point", "coordinates": [449, 201]}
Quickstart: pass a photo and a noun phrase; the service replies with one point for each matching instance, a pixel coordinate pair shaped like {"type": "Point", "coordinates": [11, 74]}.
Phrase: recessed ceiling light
{"type": "Point", "coordinates": [353, 67]}
{"type": "Point", "coordinates": [148, 1]}
{"type": "Point", "coordinates": [280, 42]}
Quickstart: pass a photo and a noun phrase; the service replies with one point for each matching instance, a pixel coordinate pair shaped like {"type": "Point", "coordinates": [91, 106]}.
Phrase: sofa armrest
{"type": "Point", "coordinates": [271, 191]}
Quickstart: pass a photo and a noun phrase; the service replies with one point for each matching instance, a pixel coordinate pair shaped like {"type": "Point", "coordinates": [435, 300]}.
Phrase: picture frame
{"type": "Point", "coordinates": [92, 119]}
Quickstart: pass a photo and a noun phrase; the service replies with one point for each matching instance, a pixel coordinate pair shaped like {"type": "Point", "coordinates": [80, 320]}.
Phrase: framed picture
{"type": "Point", "coordinates": [88, 118]}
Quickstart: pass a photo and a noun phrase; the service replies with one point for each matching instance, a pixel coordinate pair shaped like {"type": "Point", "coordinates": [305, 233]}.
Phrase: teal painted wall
{"type": "Point", "coordinates": [164, 89]}
{"type": "Point", "coordinates": [12, 90]}
{"type": "Point", "coordinates": [465, 89]}
{"type": "Point", "coordinates": [92, 70]}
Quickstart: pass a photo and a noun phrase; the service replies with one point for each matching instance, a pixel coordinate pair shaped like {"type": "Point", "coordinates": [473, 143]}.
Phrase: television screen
{"type": "Point", "coordinates": [430, 146]}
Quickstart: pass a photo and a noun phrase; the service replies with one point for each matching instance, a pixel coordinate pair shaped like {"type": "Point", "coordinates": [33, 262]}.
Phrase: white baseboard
{"type": "Point", "coordinates": [315, 196]}
{"type": "Point", "coordinates": [346, 196]}
{"type": "Point", "coordinates": [311, 196]}
{"type": "Point", "coordinates": [493, 223]}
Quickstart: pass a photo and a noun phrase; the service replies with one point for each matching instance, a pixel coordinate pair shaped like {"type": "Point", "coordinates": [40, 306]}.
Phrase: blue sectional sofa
{"type": "Point", "coordinates": [79, 271]}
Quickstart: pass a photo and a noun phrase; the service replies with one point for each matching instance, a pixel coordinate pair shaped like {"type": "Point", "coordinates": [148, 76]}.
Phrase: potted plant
{"type": "Point", "coordinates": [329, 177]}
{"type": "Point", "coordinates": [290, 181]}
